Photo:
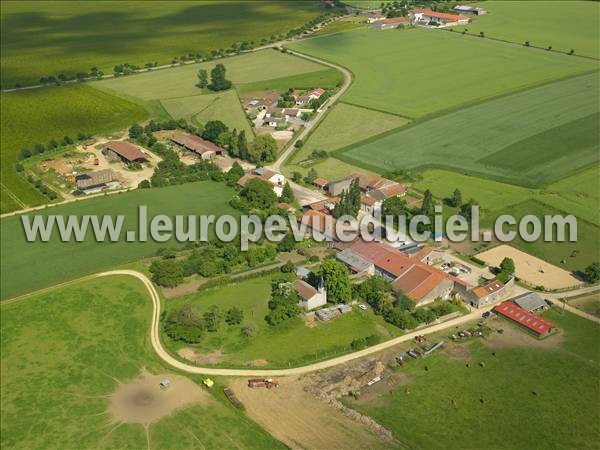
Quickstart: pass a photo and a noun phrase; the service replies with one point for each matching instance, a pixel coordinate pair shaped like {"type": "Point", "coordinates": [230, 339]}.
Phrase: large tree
{"type": "Point", "coordinates": [259, 194]}
{"type": "Point", "coordinates": [202, 78]}
{"type": "Point", "coordinates": [287, 194]}
{"type": "Point", "coordinates": [457, 198]}
{"type": "Point", "coordinates": [167, 273]}
{"type": "Point", "coordinates": [242, 145]}
{"type": "Point", "coordinates": [213, 129]}
{"type": "Point", "coordinates": [263, 149]}
{"type": "Point", "coordinates": [218, 80]}
{"type": "Point", "coordinates": [337, 281]}
{"type": "Point", "coordinates": [426, 205]}
{"type": "Point", "coordinates": [184, 324]}
{"type": "Point", "coordinates": [592, 272]}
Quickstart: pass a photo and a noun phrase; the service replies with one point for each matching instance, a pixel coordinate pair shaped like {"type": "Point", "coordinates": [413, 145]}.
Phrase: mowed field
{"type": "Point", "coordinates": [343, 125]}
{"type": "Point", "coordinates": [37, 116]}
{"type": "Point", "coordinates": [543, 24]}
{"type": "Point", "coordinates": [47, 38]}
{"type": "Point", "coordinates": [526, 393]}
{"type": "Point", "coordinates": [55, 261]}
{"type": "Point", "coordinates": [531, 138]}
{"type": "Point", "coordinates": [288, 344]}
{"type": "Point", "coordinates": [417, 72]}
{"type": "Point", "coordinates": [66, 351]}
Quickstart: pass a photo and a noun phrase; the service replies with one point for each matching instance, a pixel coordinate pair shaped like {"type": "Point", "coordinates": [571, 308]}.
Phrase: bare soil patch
{"type": "Point", "coordinates": [534, 271]}
{"type": "Point", "coordinates": [201, 358]}
{"type": "Point", "coordinates": [143, 401]}
{"type": "Point", "coordinates": [459, 352]}
{"type": "Point", "coordinates": [514, 337]}
{"type": "Point", "coordinates": [183, 289]}
{"type": "Point", "coordinates": [383, 330]}
{"type": "Point", "coordinates": [258, 363]}
{"type": "Point", "coordinates": [299, 420]}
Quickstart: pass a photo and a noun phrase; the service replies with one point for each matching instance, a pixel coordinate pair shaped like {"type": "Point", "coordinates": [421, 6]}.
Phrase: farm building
{"type": "Point", "coordinates": [310, 298]}
{"type": "Point", "coordinates": [335, 188]}
{"type": "Point", "coordinates": [375, 17]}
{"type": "Point", "coordinates": [124, 151]}
{"type": "Point", "coordinates": [275, 122]}
{"type": "Point", "coordinates": [541, 327]}
{"type": "Point", "coordinates": [324, 206]}
{"type": "Point", "coordinates": [390, 24]}
{"type": "Point", "coordinates": [427, 17]}
{"type": "Point", "coordinates": [418, 281]}
{"type": "Point", "coordinates": [93, 179]}
{"type": "Point", "coordinates": [282, 113]}
{"type": "Point", "coordinates": [463, 9]}
{"type": "Point", "coordinates": [323, 225]}
{"type": "Point", "coordinates": [203, 148]}
{"type": "Point", "coordinates": [302, 100]}
{"type": "Point", "coordinates": [530, 301]}
{"type": "Point", "coordinates": [488, 293]}
{"type": "Point", "coordinates": [321, 183]}
{"type": "Point", "coordinates": [316, 93]}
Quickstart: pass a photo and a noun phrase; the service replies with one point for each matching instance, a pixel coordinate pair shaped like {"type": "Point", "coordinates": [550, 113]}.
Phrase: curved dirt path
{"type": "Point", "coordinates": [165, 356]}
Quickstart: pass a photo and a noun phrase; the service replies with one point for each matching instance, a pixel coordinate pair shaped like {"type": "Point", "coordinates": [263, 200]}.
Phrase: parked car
{"type": "Point", "coordinates": [486, 314]}
{"type": "Point", "coordinates": [363, 307]}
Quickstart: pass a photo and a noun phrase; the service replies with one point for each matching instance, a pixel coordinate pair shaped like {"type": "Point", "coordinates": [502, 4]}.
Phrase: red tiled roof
{"type": "Point", "coordinates": [418, 281]}
{"type": "Point", "coordinates": [304, 290]}
{"type": "Point", "coordinates": [321, 182]}
{"type": "Point", "coordinates": [318, 92]}
{"type": "Point", "coordinates": [525, 318]}
{"type": "Point", "coordinates": [487, 289]}
{"type": "Point", "coordinates": [394, 263]}
{"type": "Point", "coordinates": [126, 149]}
{"type": "Point", "coordinates": [443, 16]}
{"type": "Point", "coordinates": [371, 251]}
{"type": "Point", "coordinates": [393, 190]}
{"type": "Point", "coordinates": [196, 144]}
{"type": "Point", "coordinates": [366, 200]}
{"type": "Point", "coordinates": [317, 220]}
{"type": "Point", "coordinates": [393, 20]}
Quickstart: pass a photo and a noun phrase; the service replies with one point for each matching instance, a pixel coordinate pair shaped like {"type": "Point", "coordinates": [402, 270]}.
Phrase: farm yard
{"type": "Point", "coordinates": [503, 147]}
{"type": "Point", "coordinates": [292, 343]}
{"type": "Point", "coordinates": [426, 59]}
{"type": "Point", "coordinates": [75, 259]}
{"type": "Point", "coordinates": [38, 116]}
{"type": "Point", "coordinates": [512, 390]}
{"type": "Point", "coordinates": [69, 40]}
{"type": "Point", "coordinates": [91, 393]}
{"type": "Point", "coordinates": [543, 24]}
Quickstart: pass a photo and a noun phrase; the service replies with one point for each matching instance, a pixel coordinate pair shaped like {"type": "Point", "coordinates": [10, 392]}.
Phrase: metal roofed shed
{"type": "Point", "coordinates": [530, 301]}
{"type": "Point", "coordinates": [93, 179]}
{"type": "Point", "coordinates": [302, 272]}
{"type": "Point", "coordinates": [541, 327]}
{"type": "Point", "coordinates": [356, 262]}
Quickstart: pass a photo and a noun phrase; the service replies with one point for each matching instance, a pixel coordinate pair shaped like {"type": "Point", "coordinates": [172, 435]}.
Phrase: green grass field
{"type": "Point", "coordinates": [543, 23]}
{"type": "Point", "coordinates": [563, 412]}
{"type": "Point", "coordinates": [418, 72]}
{"type": "Point", "coordinates": [343, 125]}
{"type": "Point", "coordinates": [343, 25]}
{"type": "Point", "coordinates": [224, 106]}
{"type": "Point", "coordinates": [44, 38]}
{"type": "Point", "coordinates": [290, 344]}
{"type": "Point", "coordinates": [37, 116]}
{"type": "Point", "coordinates": [64, 352]}
{"type": "Point", "coordinates": [327, 79]}
{"type": "Point", "coordinates": [531, 138]}
{"type": "Point", "coordinates": [22, 259]}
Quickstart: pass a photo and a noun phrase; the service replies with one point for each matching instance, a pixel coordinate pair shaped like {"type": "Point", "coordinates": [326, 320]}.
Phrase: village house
{"type": "Point", "coordinates": [320, 183]}
{"type": "Point", "coordinates": [275, 179]}
{"type": "Point", "coordinates": [316, 93]}
{"type": "Point", "coordinates": [375, 17]}
{"type": "Point", "coordinates": [427, 17]}
{"type": "Point", "coordinates": [335, 188]}
{"type": "Point", "coordinates": [321, 224]}
{"type": "Point", "coordinates": [309, 297]}
{"type": "Point", "coordinates": [490, 292]}
{"type": "Point", "coordinates": [276, 122]}
{"type": "Point", "coordinates": [391, 23]}
{"type": "Point", "coordinates": [203, 148]}
{"type": "Point", "coordinates": [125, 152]}
{"type": "Point", "coordinates": [283, 113]}
{"type": "Point", "coordinates": [302, 100]}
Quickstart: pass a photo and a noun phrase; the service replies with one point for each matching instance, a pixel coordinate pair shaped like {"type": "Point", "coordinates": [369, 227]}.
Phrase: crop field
{"type": "Point", "coordinates": [327, 79]}
{"type": "Point", "coordinates": [47, 38]}
{"type": "Point", "coordinates": [577, 194]}
{"type": "Point", "coordinates": [520, 397]}
{"type": "Point", "coordinates": [531, 138]}
{"type": "Point", "coordinates": [443, 70]}
{"type": "Point", "coordinates": [66, 351]}
{"type": "Point", "coordinates": [37, 116]}
{"type": "Point", "coordinates": [543, 24]}
{"type": "Point", "coordinates": [343, 125]}
{"type": "Point", "coordinates": [293, 343]}
{"type": "Point", "coordinates": [181, 81]}
{"type": "Point", "coordinates": [224, 106]}
{"type": "Point", "coordinates": [21, 259]}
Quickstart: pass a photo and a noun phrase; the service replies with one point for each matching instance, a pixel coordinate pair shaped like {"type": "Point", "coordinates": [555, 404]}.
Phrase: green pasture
{"type": "Point", "coordinates": [56, 262]}
{"type": "Point", "coordinates": [326, 79]}
{"type": "Point", "coordinates": [37, 116]}
{"type": "Point", "coordinates": [289, 344]}
{"type": "Point", "coordinates": [41, 38]}
{"type": "Point", "coordinates": [543, 24]}
{"type": "Point", "coordinates": [342, 25]}
{"type": "Point", "coordinates": [224, 106]}
{"type": "Point", "coordinates": [416, 72]}
{"type": "Point", "coordinates": [523, 396]}
{"type": "Point", "coordinates": [531, 138]}
{"type": "Point", "coordinates": [181, 81]}
{"type": "Point", "coordinates": [64, 353]}
{"type": "Point", "coordinates": [344, 125]}
{"type": "Point", "coordinates": [589, 303]}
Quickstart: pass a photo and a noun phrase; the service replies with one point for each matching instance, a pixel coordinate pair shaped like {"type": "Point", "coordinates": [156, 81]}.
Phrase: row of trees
{"type": "Point", "coordinates": [219, 82]}
{"type": "Point", "coordinates": [52, 145]}
{"type": "Point", "coordinates": [349, 202]}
